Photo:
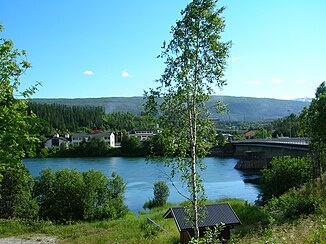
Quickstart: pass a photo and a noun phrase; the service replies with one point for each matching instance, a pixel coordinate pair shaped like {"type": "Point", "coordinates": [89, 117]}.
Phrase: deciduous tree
{"type": "Point", "coordinates": [195, 59]}
{"type": "Point", "coordinates": [17, 133]}
{"type": "Point", "coordinates": [313, 118]}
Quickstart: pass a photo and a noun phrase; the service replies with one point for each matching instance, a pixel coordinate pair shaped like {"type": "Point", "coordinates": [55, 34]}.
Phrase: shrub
{"type": "Point", "coordinates": [308, 199]}
{"type": "Point", "coordinates": [16, 198]}
{"type": "Point", "coordinates": [211, 235]}
{"type": "Point", "coordinates": [68, 195]}
{"type": "Point", "coordinates": [249, 214]}
{"type": "Point", "coordinates": [291, 206]}
{"type": "Point", "coordinates": [161, 194]}
{"type": "Point", "coordinates": [285, 173]}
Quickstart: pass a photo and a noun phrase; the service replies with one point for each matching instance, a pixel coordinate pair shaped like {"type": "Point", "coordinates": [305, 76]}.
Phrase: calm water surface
{"type": "Point", "coordinates": [220, 178]}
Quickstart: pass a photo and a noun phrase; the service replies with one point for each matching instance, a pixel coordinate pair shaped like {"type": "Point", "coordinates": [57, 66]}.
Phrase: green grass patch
{"type": "Point", "coordinates": [135, 228]}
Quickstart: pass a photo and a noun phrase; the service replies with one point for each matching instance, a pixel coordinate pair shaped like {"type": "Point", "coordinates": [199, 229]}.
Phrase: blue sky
{"type": "Point", "coordinates": [106, 48]}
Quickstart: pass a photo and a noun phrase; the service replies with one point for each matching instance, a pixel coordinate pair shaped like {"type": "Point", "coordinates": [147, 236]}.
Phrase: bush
{"type": "Point", "coordinates": [16, 188]}
{"type": "Point", "coordinates": [130, 145]}
{"type": "Point", "coordinates": [285, 173]}
{"type": "Point", "coordinates": [161, 194]}
{"type": "Point", "coordinates": [212, 235]}
{"type": "Point", "coordinates": [249, 214]}
{"type": "Point", "coordinates": [68, 195]}
{"type": "Point", "coordinates": [308, 199]}
{"type": "Point", "coordinates": [290, 206]}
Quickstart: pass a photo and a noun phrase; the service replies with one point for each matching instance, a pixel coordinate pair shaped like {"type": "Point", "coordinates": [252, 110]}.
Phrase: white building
{"type": "Point", "coordinates": [143, 134]}
{"type": "Point", "coordinates": [56, 141]}
{"type": "Point", "coordinates": [106, 136]}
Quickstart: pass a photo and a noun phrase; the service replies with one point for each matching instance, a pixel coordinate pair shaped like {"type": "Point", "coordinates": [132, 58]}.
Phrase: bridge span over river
{"type": "Point", "coordinates": [257, 153]}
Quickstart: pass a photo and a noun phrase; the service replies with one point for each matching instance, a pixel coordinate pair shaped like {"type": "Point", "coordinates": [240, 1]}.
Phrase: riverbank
{"type": "Point", "coordinates": [255, 228]}
{"type": "Point", "coordinates": [130, 229]}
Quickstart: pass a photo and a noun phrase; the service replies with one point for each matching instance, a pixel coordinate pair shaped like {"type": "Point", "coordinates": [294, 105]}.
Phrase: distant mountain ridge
{"type": "Point", "coordinates": [240, 108]}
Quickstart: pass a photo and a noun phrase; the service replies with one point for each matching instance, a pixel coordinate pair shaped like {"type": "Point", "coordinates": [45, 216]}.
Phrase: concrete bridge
{"type": "Point", "coordinates": [257, 153]}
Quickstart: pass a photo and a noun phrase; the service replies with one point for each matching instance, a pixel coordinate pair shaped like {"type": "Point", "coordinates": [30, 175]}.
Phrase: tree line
{"type": "Point", "coordinates": [63, 118]}
{"type": "Point", "coordinates": [60, 117]}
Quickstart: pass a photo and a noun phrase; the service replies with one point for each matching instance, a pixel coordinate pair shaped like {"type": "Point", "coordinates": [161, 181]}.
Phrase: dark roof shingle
{"type": "Point", "coordinates": [215, 214]}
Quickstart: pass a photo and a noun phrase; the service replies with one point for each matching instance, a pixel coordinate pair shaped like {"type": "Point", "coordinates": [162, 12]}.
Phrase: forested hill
{"type": "Point", "coordinates": [240, 108]}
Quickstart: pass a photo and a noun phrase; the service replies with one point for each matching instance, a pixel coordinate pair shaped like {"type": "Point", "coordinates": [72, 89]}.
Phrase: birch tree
{"type": "Point", "coordinates": [195, 59]}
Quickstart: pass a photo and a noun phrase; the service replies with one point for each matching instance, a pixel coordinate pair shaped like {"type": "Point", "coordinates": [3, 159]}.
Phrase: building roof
{"type": "Point", "coordinates": [86, 135]}
{"type": "Point", "coordinates": [215, 214]}
{"type": "Point", "coordinates": [59, 138]}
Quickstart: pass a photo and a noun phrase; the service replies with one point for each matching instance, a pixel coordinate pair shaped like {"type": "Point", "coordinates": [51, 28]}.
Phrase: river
{"type": "Point", "coordinates": [220, 179]}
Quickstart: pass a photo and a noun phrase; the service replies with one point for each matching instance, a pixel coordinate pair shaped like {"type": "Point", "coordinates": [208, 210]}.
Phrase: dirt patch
{"type": "Point", "coordinates": [28, 239]}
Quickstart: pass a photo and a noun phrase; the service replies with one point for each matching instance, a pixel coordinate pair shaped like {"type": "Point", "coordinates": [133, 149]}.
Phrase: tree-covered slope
{"type": "Point", "coordinates": [240, 108]}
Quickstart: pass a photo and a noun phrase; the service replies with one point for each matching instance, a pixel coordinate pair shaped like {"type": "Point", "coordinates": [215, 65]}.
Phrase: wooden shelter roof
{"type": "Point", "coordinates": [216, 214]}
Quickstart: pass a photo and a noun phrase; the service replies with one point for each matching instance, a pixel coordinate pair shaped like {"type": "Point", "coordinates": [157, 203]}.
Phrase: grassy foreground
{"type": "Point", "coordinates": [135, 229]}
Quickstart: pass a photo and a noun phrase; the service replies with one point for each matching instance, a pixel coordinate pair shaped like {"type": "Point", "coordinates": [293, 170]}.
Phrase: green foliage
{"type": "Point", "coordinates": [240, 109]}
{"type": "Point", "coordinates": [64, 118]}
{"type": "Point", "coordinates": [211, 236]}
{"type": "Point", "coordinates": [161, 194]}
{"type": "Point", "coordinates": [44, 152]}
{"type": "Point", "coordinates": [313, 118]}
{"type": "Point", "coordinates": [284, 174]}
{"type": "Point", "coordinates": [290, 206]}
{"type": "Point", "coordinates": [155, 146]}
{"type": "Point", "coordinates": [309, 199]}
{"type": "Point", "coordinates": [249, 214]}
{"type": "Point", "coordinates": [195, 59]}
{"type": "Point", "coordinates": [319, 235]}
{"type": "Point", "coordinates": [221, 140]}
{"type": "Point", "coordinates": [262, 133]}
{"type": "Point", "coordinates": [94, 147]}
{"type": "Point", "coordinates": [16, 199]}
{"type": "Point", "coordinates": [17, 135]}
{"type": "Point", "coordinates": [289, 126]}
{"type": "Point", "coordinates": [130, 145]}
{"type": "Point", "coordinates": [119, 121]}
{"type": "Point", "coordinates": [128, 229]}
{"type": "Point", "coordinates": [17, 125]}
{"type": "Point", "coordinates": [68, 195]}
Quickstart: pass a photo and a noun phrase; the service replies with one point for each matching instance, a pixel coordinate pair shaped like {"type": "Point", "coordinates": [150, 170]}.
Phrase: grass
{"type": "Point", "coordinates": [130, 229]}
{"type": "Point", "coordinates": [135, 229]}
{"type": "Point", "coordinates": [310, 229]}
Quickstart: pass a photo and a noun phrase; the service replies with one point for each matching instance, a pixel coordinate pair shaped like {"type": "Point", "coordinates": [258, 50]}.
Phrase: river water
{"type": "Point", "coordinates": [220, 179]}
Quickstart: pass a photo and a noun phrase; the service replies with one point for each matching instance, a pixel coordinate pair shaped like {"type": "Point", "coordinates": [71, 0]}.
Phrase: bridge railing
{"type": "Point", "coordinates": [282, 140]}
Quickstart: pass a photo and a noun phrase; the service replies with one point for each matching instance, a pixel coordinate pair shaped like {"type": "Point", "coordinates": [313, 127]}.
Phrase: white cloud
{"type": "Point", "coordinates": [124, 74]}
{"type": "Point", "coordinates": [253, 82]}
{"type": "Point", "coordinates": [235, 59]}
{"type": "Point", "coordinates": [300, 81]}
{"type": "Point", "coordinates": [88, 72]}
{"type": "Point", "coordinates": [276, 80]}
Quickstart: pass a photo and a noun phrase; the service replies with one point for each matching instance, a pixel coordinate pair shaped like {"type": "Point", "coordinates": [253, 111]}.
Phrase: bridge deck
{"type": "Point", "coordinates": [298, 141]}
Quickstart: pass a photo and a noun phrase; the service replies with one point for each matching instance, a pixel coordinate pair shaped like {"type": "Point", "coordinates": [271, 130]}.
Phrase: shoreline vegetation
{"type": "Point", "coordinates": [296, 216]}
{"type": "Point", "coordinates": [100, 149]}
{"type": "Point", "coordinates": [256, 228]}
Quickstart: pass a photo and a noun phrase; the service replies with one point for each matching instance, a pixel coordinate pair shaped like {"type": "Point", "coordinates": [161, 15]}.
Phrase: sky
{"type": "Point", "coordinates": [106, 48]}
